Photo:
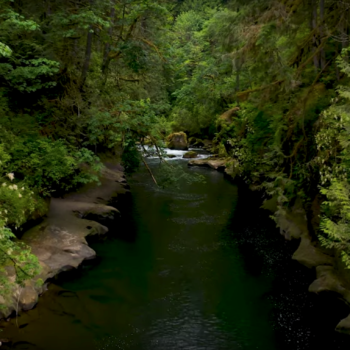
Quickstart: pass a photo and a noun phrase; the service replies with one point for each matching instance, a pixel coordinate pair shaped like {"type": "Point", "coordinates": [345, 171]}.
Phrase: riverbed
{"type": "Point", "coordinates": [193, 267]}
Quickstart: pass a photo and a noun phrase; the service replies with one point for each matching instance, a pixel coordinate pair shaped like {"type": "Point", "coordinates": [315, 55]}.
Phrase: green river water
{"type": "Point", "coordinates": [200, 267]}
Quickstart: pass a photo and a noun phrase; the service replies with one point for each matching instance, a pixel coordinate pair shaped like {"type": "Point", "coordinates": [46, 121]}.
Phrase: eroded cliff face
{"type": "Point", "coordinates": [59, 241]}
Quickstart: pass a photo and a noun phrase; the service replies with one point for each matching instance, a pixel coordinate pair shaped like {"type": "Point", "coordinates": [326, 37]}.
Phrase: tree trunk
{"type": "Point", "coordinates": [88, 50]}
{"type": "Point", "coordinates": [322, 34]}
{"type": "Point", "coordinates": [314, 38]}
{"type": "Point", "coordinates": [107, 47]}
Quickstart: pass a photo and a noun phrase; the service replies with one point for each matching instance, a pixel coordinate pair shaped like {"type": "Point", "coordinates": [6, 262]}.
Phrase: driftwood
{"type": "Point", "coordinates": [150, 171]}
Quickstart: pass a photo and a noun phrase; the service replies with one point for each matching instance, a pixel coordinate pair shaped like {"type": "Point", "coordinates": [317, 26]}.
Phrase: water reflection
{"type": "Point", "coordinates": [205, 270]}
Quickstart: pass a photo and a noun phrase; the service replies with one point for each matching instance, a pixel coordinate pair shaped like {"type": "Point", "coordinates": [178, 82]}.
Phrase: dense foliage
{"type": "Point", "coordinates": [77, 78]}
{"type": "Point", "coordinates": [279, 69]}
{"type": "Point", "coordinates": [267, 81]}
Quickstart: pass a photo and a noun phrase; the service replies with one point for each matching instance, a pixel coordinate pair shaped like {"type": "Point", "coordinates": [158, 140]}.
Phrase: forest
{"type": "Point", "coordinates": [266, 81]}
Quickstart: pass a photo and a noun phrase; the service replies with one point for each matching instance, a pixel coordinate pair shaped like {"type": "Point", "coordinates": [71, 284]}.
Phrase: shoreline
{"type": "Point", "coordinates": [60, 240]}
{"type": "Point", "coordinates": [331, 277]}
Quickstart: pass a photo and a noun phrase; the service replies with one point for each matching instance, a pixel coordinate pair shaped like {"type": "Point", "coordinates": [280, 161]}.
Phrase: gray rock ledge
{"type": "Point", "coordinates": [59, 241]}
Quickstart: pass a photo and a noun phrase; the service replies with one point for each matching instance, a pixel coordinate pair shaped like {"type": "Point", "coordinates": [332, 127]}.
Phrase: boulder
{"type": "Point", "coordinates": [178, 141]}
{"type": "Point", "coordinates": [217, 164]}
{"type": "Point", "coordinates": [171, 156]}
{"type": "Point", "coordinates": [190, 154]}
{"type": "Point", "coordinates": [28, 298]}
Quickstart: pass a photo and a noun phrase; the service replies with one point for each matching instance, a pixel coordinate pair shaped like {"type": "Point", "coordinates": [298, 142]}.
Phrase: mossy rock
{"type": "Point", "coordinates": [190, 154]}
{"type": "Point", "coordinates": [178, 141]}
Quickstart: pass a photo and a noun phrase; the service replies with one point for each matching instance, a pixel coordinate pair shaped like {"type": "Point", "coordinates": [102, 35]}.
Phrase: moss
{"type": "Point", "coordinates": [190, 154]}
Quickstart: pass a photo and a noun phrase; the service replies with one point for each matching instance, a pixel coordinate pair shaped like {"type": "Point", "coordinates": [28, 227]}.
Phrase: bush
{"type": "Point", "coordinates": [50, 166]}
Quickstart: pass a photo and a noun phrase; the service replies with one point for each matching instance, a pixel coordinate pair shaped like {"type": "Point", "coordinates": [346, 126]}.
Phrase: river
{"type": "Point", "coordinates": [198, 267]}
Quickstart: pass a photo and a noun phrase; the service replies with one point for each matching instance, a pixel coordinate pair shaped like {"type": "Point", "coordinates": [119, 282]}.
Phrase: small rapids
{"type": "Point", "coordinates": [175, 154]}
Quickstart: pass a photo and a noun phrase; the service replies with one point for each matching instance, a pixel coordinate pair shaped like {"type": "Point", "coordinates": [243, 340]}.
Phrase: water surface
{"type": "Point", "coordinates": [199, 267]}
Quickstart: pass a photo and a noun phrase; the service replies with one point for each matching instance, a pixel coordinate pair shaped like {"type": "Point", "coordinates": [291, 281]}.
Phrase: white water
{"type": "Point", "coordinates": [202, 154]}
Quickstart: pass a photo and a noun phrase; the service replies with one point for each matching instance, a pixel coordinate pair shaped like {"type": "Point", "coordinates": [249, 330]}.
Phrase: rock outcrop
{"type": "Point", "coordinates": [310, 255]}
{"type": "Point", "coordinates": [190, 154]}
{"type": "Point", "coordinates": [59, 242]}
{"type": "Point", "coordinates": [217, 164]}
{"type": "Point", "coordinates": [177, 140]}
{"type": "Point", "coordinates": [293, 224]}
{"type": "Point", "coordinates": [328, 280]}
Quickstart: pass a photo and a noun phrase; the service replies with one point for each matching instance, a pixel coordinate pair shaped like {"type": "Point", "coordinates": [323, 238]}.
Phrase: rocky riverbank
{"type": "Point", "coordinates": [59, 241]}
{"type": "Point", "coordinates": [294, 223]}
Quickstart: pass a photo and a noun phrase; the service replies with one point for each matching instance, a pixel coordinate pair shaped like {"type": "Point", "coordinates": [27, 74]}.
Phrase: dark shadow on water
{"type": "Point", "coordinates": [301, 320]}
{"type": "Point", "coordinates": [201, 268]}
